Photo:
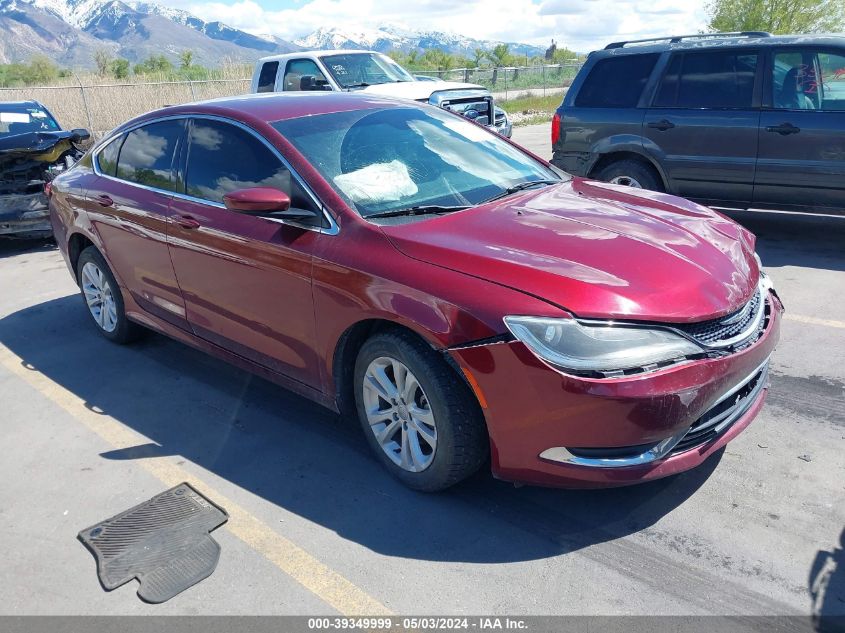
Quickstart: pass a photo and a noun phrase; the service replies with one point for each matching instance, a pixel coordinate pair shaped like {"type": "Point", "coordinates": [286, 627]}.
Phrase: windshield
{"type": "Point", "coordinates": [403, 157]}
{"type": "Point", "coordinates": [21, 119]}
{"type": "Point", "coordinates": [355, 70]}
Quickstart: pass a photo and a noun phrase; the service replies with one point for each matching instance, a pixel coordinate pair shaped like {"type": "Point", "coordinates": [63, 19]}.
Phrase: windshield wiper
{"type": "Point", "coordinates": [427, 209]}
{"type": "Point", "coordinates": [363, 84]}
{"type": "Point", "coordinates": [523, 185]}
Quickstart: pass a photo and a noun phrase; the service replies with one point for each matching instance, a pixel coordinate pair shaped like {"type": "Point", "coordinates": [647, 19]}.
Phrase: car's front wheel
{"type": "Point", "coordinates": [419, 417]}
{"type": "Point", "coordinates": [103, 299]}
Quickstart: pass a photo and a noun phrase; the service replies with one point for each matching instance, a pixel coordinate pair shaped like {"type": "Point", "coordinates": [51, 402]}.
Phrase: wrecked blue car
{"type": "Point", "coordinates": [33, 149]}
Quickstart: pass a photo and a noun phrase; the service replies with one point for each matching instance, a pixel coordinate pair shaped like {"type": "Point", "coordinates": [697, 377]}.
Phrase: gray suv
{"type": "Point", "coordinates": [733, 120]}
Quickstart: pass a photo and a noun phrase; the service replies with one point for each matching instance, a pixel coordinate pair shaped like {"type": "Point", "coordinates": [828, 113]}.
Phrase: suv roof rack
{"type": "Point", "coordinates": [674, 39]}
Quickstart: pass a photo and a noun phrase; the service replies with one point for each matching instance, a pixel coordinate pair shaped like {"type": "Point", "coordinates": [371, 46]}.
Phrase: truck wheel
{"type": "Point", "coordinates": [419, 417]}
{"type": "Point", "coordinates": [631, 173]}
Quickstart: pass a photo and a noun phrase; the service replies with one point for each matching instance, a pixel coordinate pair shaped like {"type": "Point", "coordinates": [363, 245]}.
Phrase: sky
{"type": "Point", "coordinates": [580, 25]}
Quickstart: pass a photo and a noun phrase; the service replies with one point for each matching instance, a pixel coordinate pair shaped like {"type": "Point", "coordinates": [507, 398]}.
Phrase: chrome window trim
{"type": "Point", "coordinates": [660, 450]}
{"type": "Point", "coordinates": [332, 229]}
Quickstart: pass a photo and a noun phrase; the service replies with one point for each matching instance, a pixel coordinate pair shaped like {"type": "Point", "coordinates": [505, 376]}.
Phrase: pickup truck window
{"type": "Point", "coordinates": [267, 78]}
{"type": "Point", "coordinates": [355, 70]}
{"type": "Point", "coordinates": [296, 69]}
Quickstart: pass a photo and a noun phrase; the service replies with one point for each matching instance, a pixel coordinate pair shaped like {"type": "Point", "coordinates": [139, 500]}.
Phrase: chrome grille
{"type": "Point", "coordinates": [724, 330]}
{"type": "Point", "coordinates": [722, 415]}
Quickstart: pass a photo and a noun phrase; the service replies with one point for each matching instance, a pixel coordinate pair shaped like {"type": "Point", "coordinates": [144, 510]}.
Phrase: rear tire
{"type": "Point", "coordinates": [631, 173]}
{"type": "Point", "coordinates": [103, 299]}
{"type": "Point", "coordinates": [420, 419]}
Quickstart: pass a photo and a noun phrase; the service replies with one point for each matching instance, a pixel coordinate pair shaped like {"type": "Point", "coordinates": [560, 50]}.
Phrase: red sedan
{"type": "Point", "coordinates": [458, 295]}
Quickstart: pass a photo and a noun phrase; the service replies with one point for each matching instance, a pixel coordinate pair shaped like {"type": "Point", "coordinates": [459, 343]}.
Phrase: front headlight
{"type": "Point", "coordinates": [579, 347]}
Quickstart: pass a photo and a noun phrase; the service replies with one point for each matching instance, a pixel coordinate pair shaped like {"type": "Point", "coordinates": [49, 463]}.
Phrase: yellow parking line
{"type": "Point", "coordinates": [800, 318]}
{"type": "Point", "coordinates": [322, 581]}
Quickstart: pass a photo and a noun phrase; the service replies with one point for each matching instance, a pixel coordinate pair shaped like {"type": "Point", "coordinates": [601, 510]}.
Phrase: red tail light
{"type": "Point", "coordinates": [48, 189]}
{"type": "Point", "coordinates": [555, 128]}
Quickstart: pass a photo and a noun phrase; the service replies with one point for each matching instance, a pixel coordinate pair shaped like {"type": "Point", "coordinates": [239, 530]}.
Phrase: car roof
{"type": "Point", "coordinates": [21, 105]}
{"type": "Point", "coordinates": [707, 41]}
{"type": "Point", "coordinates": [277, 106]}
{"type": "Point", "coordinates": [316, 53]}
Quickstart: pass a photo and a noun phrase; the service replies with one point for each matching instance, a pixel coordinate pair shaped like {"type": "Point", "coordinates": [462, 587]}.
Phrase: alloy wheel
{"type": "Point", "coordinates": [99, 297]}
{"type": "Point", "coordinates": [399, 414]}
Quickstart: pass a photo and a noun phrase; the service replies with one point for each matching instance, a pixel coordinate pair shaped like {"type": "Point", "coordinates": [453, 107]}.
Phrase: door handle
{"type": "Point", "coordinates": [186, 221]}
{"type": "Point", "coordinates": [104, 201]}
{"type": "Point", "coordinates": [784, 129]}
{"type": "Point", "coordinates": [662, 125]}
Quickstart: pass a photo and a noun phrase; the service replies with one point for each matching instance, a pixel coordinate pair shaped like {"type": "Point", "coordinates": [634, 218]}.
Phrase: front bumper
{"type": "Point", "coordinates": [532, 409]}
{"type": "Point", "coordinates": [25, 215]}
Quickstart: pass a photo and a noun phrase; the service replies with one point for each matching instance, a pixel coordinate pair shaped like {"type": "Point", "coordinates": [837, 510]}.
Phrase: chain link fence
{"type": "Point", "coordinates": [102, 107]}
{"type": "Point", "coordinates": [508, 82]}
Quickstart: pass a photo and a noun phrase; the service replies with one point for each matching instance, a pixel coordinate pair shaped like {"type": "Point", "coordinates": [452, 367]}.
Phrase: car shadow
{"type": "Point", "coordinates": [308, 460]}
{"type": "Point", "coordinates": [10, 246]}
{"type": "Point", "coordinates": [827, 588]}
{"type": "Point", "coordinates": [810, 241]}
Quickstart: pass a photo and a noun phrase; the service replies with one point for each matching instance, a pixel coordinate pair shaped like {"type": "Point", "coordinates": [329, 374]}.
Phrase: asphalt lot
{"type": "Point", "coordinates": [90, 429]}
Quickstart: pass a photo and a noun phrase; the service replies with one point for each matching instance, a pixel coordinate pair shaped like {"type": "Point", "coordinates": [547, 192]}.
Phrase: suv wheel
{"type": "Point", "coordinates": [419, 418]}
{"type": "Point", "coordinates": [631, 173]}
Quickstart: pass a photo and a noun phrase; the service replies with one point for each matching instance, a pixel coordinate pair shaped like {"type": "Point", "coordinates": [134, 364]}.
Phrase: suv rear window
{"type": "Point", "coordinates": [616, 82]}
{"type": "Point", "coordinates": [708, 79]}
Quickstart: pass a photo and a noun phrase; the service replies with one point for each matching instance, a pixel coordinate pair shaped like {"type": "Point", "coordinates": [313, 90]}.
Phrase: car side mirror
{"type": "Point", "coordinates": [310, 82]}
{"type": "Point", "coordinates": [79, 134]}
{"type": "Point", "coordinates": [267, 202]}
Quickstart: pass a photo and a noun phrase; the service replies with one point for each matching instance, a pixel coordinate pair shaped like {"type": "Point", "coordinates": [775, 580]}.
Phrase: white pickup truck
{"type": "Point", "coordinates": [372, 72]}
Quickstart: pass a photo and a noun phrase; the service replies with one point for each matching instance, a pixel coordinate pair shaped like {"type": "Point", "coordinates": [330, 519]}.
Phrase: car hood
{"type": "Point", "coordinates": [596, 250]}
{"type": "Point", "coordinates": [417, 90]}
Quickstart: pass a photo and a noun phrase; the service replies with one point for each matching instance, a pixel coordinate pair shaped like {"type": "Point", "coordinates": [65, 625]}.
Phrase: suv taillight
{"type": "Point", "coordinates": [555, 128]}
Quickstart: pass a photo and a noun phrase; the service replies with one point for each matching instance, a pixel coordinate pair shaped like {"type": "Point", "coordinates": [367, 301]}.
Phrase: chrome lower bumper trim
{"type": "Point", "coordinates": [663, 448]}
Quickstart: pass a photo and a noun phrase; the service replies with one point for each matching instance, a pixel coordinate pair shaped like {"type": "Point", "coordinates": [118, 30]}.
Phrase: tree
{"type": "Point", "coordinates": [154, 64]}
{"type": "Point", "coordinates": [499, 56]}
{"type": "Point", "coordinates": [186, 57]}
{"type": "Point", "coordinates": [103, 60]}
{"type": "Point", "coordinates": [120, 68]}
{"type": "Point", "coordinates": [777, 16]}
{"type": "Point", "coordinates": [42, 70]}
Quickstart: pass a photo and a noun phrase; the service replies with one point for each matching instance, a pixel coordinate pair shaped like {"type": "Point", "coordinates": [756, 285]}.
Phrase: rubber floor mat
{"type": "Point", "coordinates": [163, 542]}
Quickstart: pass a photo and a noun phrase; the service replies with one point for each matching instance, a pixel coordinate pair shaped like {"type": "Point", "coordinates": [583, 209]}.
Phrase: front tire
{"type": "Point", "coordinates": [420, 419]}
{"type": "Point", "coordinates": [103, 299]}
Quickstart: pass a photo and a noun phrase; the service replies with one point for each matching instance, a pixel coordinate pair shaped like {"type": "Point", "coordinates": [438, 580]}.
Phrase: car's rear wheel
{"type": "Point", "coordinates": [631, 173]}
{"type": "Point", "coordinates": [102, 298]}
{"type": "Point", "coordinates": [419, 417]}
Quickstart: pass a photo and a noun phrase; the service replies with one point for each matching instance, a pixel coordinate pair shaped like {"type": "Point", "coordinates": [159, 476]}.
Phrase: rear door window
{"type": "Point", "coordinates": [708, 79]}
{"type": "Point", "coordinates": [146, 157]}
{"type": "Point", "coordinates": [267, 77]}
{"type": "Point", "coordinates": [223, 157]}
{"type": "Point", "coordinates": [616, 82]}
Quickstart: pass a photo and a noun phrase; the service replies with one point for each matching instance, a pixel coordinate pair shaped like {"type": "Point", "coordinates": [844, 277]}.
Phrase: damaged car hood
{"type": "Point", "coordinates": [39, 146]}
{"type": "Point", "coordinates": [597, 250]}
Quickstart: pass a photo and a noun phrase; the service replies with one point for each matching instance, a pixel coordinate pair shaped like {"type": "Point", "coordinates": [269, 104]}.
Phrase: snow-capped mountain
{"type": "Point", "coordinates": [70, 31]}
{"type": "Point", "coordinates": [388, 36]}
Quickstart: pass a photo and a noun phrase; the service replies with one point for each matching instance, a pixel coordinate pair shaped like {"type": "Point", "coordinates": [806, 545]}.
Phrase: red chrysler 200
{"type": "Point", "coordinates": [460, 296]}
